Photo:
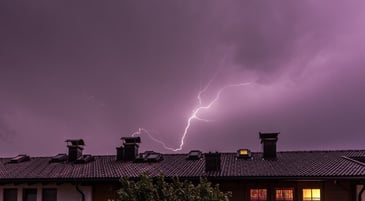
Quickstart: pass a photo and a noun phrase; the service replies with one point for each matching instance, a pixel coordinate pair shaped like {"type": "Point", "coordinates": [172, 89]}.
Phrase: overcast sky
{"type": "Point", "coordinates": [99, 70]}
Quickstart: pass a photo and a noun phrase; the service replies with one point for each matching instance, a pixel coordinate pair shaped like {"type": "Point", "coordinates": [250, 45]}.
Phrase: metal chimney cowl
{"type": "Point", "coordinates": [75, 147]}
{"type": "Point", "coordinates": [129, 150]}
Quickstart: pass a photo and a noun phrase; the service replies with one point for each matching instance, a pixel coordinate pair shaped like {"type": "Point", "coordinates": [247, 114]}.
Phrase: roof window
{"type": "Point", "coordinates": [84, 159]}
{"type": "Point", "coordinates": [244, 153]}
{"type": "Point", "coordinates": [59, 158]}
{"type": "Point", "coordinates": [149, 156]}
{"type": "Point", "coordinates": [19, 158]}
{"type": "Point", "coordinates": [194, 155]}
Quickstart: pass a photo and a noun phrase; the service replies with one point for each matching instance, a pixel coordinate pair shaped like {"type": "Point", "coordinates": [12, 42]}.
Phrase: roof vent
{"type": "Point", "coordinates": [84, 159]}
{"type": "Point", "coordinates": [19, 158]}
{"type": "Point", "coordinates": [75, 147]}
{"type": "Point", "coordinates": [212, 161]}
{"type": "Point", "coordinates": [149, 156]}
{"type": "Point", "coordinates": [194, 155]}
{"type": "Point", "coordinates": [244, 153]}
{"type": "Point", "coordinates": [268, 140]}
{"type": "Point", "coordinates": [59, 158]}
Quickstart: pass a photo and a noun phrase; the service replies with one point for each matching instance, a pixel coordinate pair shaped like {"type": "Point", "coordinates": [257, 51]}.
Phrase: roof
{"type": "Point", "coordinates": [289, 165]}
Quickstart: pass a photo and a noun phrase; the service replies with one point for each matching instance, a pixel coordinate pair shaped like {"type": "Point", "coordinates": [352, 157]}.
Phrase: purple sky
{"type": "Point", "coordinates": [99, 70]}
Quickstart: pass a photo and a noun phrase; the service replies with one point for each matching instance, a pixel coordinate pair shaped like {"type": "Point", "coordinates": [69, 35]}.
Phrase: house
{"type": "Point", "coordinates": [250, 176]}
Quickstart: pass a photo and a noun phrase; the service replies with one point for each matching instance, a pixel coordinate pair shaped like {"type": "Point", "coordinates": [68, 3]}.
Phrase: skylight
{"type": "Point", "coordinates": [194, 155]}
{"type": "Point", "coordinates": [153, 157]}
{"type": "Point", "coordinates": [59, 158]}
{"type": "Point", "coordinates": [149, 156]}
{"type": "Point", "coordinates": [84, 159]}
{"type": "Point", "coordinates": [19, 158]}
{"type": "Point", "coordinates": [244, 153]}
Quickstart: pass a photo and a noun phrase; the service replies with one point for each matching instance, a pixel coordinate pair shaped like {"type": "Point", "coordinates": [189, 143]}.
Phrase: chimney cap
{"type": "Point", "coordinates": [269, 136]}
{"type": "Point", "coordinates": [131, 139]}
{"type": "Point", "coordinates": [76, 142]}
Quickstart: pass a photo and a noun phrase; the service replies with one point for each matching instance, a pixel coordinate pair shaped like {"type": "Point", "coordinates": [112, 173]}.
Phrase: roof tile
{"type": "Point", "coordinates": [288, 164]}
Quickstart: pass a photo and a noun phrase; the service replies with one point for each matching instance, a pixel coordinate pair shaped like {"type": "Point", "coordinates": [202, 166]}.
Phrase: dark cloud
{"type": "Point", "coordinates": [100, 70]}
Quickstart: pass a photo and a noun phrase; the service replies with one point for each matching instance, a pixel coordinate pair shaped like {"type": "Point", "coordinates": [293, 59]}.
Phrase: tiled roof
{"type": "Point", "coordinates": [305, 164]}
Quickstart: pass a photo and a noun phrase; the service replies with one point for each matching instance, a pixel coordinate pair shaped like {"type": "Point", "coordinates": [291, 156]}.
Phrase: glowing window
{"type": "Point", "coordinates": [284, 194]}
{"type": "Point", "coordinates": [258, 194]}
{"type": "Point", "coordinates": [310, 194]}
{"type": "Point", "coordinates": [244, 153]}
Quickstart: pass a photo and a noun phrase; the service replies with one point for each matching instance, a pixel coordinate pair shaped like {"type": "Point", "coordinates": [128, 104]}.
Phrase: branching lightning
{"type": "Point", "coordinates": [196, 111]}
{"type": "Point", "coordinates": [194, 115]}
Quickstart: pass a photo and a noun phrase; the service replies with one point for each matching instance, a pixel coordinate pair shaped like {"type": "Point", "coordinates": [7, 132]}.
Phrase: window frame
{"type": "Point", "coordinates": [311, 198]}
{"type": "Point", "coordinates": [276, 189]}
{"type": "Point", "coordinates": [10, 189]}
{"type": "Point", "coordinates": [49, 189]}
{"type": "Point", "coordinates": [258, 198]}
{"type": "Point", "coordinates": [27, 190]}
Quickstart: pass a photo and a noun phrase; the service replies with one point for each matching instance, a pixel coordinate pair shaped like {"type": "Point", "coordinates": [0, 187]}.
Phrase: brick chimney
{"type": "Point", "coordinates": [129, 150]}
{"type": "Point", "coordinates": [75, 147]}
{"type": "Point", "coordinates": [212, 161]}
{"type": "Point", "coordinates": [268, 141]}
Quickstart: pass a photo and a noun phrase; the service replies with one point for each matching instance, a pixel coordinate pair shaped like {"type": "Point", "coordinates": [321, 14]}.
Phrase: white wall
{"type": "Point", "coordinates": [65, 192]}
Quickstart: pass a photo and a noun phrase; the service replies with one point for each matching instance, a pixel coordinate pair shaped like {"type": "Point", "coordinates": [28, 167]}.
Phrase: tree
{"type": "Point", "coordinates": [148, 189]}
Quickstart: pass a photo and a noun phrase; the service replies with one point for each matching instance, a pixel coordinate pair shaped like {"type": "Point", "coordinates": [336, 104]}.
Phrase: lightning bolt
{"type": "Point", "coordinates": [194, 115]}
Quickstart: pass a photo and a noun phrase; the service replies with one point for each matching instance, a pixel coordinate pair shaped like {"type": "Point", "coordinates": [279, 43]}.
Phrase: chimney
{"type": "Point", "coordinates": [120, 153]}
{"type": "Point", "coordinates": [75, 147]}
{"type": "Point", "coordinates": [268, 140]}
{"type": "Point", "coordinates": [129, 150]}
{"type": "Point", "coordinates": [212, 161]}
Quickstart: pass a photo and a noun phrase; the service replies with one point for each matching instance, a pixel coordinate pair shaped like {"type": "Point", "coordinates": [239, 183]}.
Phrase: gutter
{"type": "Point", "coordinates": [80, 191]}
{"type": "Point", "coordinates": [222, 178]}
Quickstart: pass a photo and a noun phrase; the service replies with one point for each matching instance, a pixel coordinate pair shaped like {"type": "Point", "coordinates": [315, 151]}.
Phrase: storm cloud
{"type": "Point", "coordinates": [101, 70]}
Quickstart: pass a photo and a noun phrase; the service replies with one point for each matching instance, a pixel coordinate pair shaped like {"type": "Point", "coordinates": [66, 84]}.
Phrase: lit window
{"type": "Point", "coordinates": [258, 194]}
{"type": "Point", "coordinates": [284, 194]}
{"type": "Point", "coordinates": [10, 194]}
{"type": "Point", "coordinates": [311, 194]}
{"type": "Point", "coordinates": [49, 194]}
{"type": "Point", "coordinates": [30, 194]}
{"type": "Point", "coordinates": [244, 153]}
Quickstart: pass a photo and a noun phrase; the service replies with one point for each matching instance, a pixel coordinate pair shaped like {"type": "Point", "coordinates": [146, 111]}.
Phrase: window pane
{"type": "Point", "coordinates": [49, 194]}
{"type": "Point", "coordinates": [30, 194]}
{"type": "Point", "coordinates": [284, 194]}
{"type": "Point", "coordinates": [311, 194]}
{"type": "Point", "coordinates": [258, 194]}
{"type": "Point", "coordinates": [10, 194]}
{"type": "Point", "coordinates": [316, 194]}
{"type": "Point", "coordinates": [307, 194]}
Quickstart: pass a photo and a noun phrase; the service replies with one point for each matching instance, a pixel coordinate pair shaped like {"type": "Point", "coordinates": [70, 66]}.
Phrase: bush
{"type": "Point", "coordinates": [146, 189]}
